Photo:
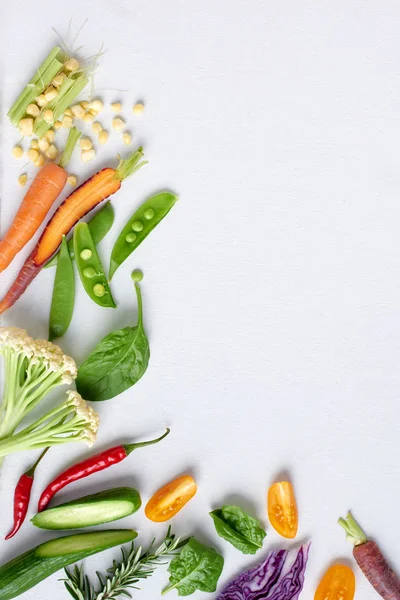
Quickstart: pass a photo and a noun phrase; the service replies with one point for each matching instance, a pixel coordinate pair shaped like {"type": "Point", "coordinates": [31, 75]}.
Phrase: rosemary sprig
{"type": "Point", "coordinates": [134, 565]}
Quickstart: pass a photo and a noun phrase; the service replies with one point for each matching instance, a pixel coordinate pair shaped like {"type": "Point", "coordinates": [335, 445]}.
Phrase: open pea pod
{"type": "Point", "coordinates": [145, 219]}
{"type": "Point", "coordinates": [90, 268]}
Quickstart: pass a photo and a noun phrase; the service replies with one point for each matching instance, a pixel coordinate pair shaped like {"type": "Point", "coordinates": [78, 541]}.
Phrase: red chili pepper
{"type": "Point", "coordinates": [22, 496]}
{"type": "Point", "coordinates": [91, 465]}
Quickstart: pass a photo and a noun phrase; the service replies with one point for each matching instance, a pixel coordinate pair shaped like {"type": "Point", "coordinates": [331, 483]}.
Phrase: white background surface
{"type": "Point", "coordinates": [271, 290]}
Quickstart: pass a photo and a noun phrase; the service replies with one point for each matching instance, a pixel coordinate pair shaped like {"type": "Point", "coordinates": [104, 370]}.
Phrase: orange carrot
{"type": "Point", "coordinates": [44, 191]}
{"type": "Point", "coordinates": [77, 205]}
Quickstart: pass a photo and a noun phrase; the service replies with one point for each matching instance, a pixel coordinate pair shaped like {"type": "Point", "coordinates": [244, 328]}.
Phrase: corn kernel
{"type": "Point", "coordinates": [22, 179]}
{"type": "Point", "coordinates": [35, 144]}
{"type": "Point", "coordinates": [50, 135]}
{"type": "Point", "coordinates": [88, 155]}
{"type": "Point", "coordinates": [33, 110]}
{"type": "Point", "coordinates": [103, 137]}
{"type": "Point", "coordinates": [68, 112]}
{"type": "Point", "coordinates": [41, 100]}
{"type": "Point", "coordinates": [39, 162]}
{"type": "Point", "coordinates": [72, 180]}
{"type": "Point", "coordinates": [89, 117]}
{"type": "Point", "coordinates": [43, 144]}
{"type": "Point", "coordinates": [78, 111]}
{"type": "Point", "coordinates": [58, 79]}
{"type": "Point", "coordinates": [48, 116]}
{"type": "Point", "coordinates": [127, 138]}
{"type": "Point", "coordinates": [96, 127]}
{"type": "Point", "coordinates": [67, 122]}
{"type": "Point", "coordinates": [32, 154]}
{"type": "Point", "coordinates": [85, 143]}
{"type": "Point", "coordinates": [138, 109]}
{"type": "Point", "coordinates": [71, 65]}
{"type": "Point", "coordinates": [116, 107]}
{"type": "Point", "coordinates": [17, 152]}
{"type": "Point", "coordinates": [96, 105]}
{"type": "Point", "coordinates": [57, 125]}
{"type": "Point", "coordinates": [51, 152]}
{"type": "Point", "coordinates": [26, 126]}
{"type": "Point", "coordinates": [84, 104]}
{"type": "Point", "coordinates": [118, 124]}
{"type": "Point", "coordinates": [50, 93]}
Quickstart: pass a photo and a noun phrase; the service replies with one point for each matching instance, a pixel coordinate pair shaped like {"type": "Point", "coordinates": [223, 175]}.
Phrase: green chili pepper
{"type": "Point", "coordinates": [90, 268]}
{"type": "Point", "coordinates": [99, 226]}
{"type": "Point", "coordinates": [62, 303]}
{"type": "Point", "coordinates": [145, 219]}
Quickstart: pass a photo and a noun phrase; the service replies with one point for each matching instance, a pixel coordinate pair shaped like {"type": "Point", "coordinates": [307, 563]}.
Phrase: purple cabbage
{"type": "Point", "coordinates": [279, 577]}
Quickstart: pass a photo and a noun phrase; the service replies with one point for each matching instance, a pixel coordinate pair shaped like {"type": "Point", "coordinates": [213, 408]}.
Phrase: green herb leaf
{"type": "Point", "coordinates": [116, 363]}
{"type": "Point", "coordinates": [197, 567]}
{"type": "Point", "coordinates": [240, 529]}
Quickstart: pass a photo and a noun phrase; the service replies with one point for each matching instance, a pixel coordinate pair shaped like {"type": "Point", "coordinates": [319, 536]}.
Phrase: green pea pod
{"type": "Point", "coordinates": [90, 268]}
{"type": "Point", "coordinates": [63, 300]}
{"type": "Point", "coordinates": [145, 219]}
{"type": "Point", "coordinates": [99, 226]}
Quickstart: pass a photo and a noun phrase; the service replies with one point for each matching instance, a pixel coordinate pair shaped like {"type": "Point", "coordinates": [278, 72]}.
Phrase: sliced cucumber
{"type": "Point", "coordinates": [27, 570]}
{"type": "Point", "coordinates": [95, 509]}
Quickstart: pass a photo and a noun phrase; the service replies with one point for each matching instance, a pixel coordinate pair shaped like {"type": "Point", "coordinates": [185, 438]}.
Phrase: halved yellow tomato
{"type": "Point", "coordinates": [338, 583]}
{"type": "Point", "coordinates": [282, 509]}
{"type": "Point", "coordinates": [169, 499]}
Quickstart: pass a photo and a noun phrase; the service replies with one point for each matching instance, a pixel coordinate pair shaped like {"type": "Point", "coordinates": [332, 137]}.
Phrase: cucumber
{"type": "Point", "coordinates": [95, 509]}
{"type": "Point", "coordinates": [27, 570]}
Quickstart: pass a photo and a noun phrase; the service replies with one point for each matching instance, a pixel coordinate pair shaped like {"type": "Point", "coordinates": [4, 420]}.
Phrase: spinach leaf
{"type": "Point", "coordinates": [117, 362]}
{"type": "Point", "coordinates": [197, 567]}
{"type": "Point", "coordinates": [239, 528]}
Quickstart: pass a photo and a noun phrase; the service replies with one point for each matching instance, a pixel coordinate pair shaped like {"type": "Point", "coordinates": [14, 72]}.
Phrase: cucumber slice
{"type": "Point", "coordinates": [95, 509]}
{"type": "Point", "coordinates": [27, 570]}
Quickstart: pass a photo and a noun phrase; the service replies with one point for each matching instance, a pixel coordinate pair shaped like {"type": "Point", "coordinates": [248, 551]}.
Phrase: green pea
{"type": "Point", "coordinates": [137, 275]}
{"type": "Point", "coordinates": [130, 238]}
{"type": "Point", "coordinates": [99, 290]}
{"type": "Point", "coordinates": [89, 272]}
{"type": "Point", "coordinates": [63, 299]}
{"type": "Point", "coordinates": [149, 214]}
{"type": "Point", "coordinates": [145, 219]}
{"type": "Point", "coordinates": [137, 226]}
{"type": "Point", "coordinates": [85, 254]}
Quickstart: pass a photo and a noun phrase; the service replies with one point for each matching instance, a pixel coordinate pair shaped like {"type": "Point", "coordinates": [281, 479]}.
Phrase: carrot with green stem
{"type": "Point", "coordinates": [44, 191]}
{"type": "Point", "coordinates": [82, 200]}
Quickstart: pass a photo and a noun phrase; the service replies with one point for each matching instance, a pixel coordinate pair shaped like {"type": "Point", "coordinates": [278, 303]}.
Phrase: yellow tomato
{"type": "Point", "coordinates": [170, 499]}
{"type": "Point", "coordinates": [338, 583]}
{"type": "Point", "coordinates": [282, 509]}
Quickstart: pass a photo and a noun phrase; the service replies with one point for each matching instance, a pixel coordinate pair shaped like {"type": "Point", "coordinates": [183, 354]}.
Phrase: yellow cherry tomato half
{"type": "Point", "coordinates": [338, 583]}
{"type": "Point", "coordinates": [282, 509]}
{"type": "Point", "coordinates": [170, 499]}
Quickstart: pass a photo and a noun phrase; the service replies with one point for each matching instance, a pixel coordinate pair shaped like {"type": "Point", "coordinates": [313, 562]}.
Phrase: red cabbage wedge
{"type": "Point", "coordinates": [279, 577]}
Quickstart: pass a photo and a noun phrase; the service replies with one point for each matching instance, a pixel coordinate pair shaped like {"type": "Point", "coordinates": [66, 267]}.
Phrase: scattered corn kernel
{"type": "Point", "coordinates": [33, 110]}
{"type": "Point", "coordinates": [127, 138]}
{"type": "Point", "coordinates": [26, 126]}
{"type": "Point", "coordinates": [85, 143]}
{"type": "Point", "coordinates": [96, 127]}
{"type": "Point", "coordinates": [118, 124]}
{"type": "Point", "coordinates": [35, 144]}
{"type": "Point", "coordinates": [68, 112]}
{"type": "Point", "coordinates": [84, 104]}
{"type": "Point", "coordinates": [58, 79]}
{"type": "Point", "coordinates": [39, 162]}
{"type": "Point", "coordinates": [50, 135]}
{"type": "Point", "coordinates": [89, 117]}
{"type": "Point", "coordinates": [51, 152]}
{"type": "Point", "coordinates": [50, 93]}
{"type": "Point", "coordinates": [57, 125]}
{"type": "Point", "coordinates": [66, 122]}
{"type": "Point", "coordinates": [78, 111]}
{"type": "Point", "coordinates": [41, 100]}
{"type": "Point", "coordinates": [43, 144]}
{"type": "Point", "coordinates": [103, 137]}
{"type": "Point", "coordinates": [87, 155]}
{"type": "Point", "coordinates": [17, 152]}
{"type": "Point", "coordinates": [48, 116]}
{"type": "Point", "coordinates": [138, 109]}
{"type": "Point", "coordinates": [116, 107]}
{"type": "Point", "coordinates": [32, 154]}
{"type": "Point", "coordinates": [22, 179]}
{"type": "Point", "coordinates": [72, 180]}
{"type": "Point", "coordinates": [96, 105]}
{"type": "Point", "coordinates": [71, 65]}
